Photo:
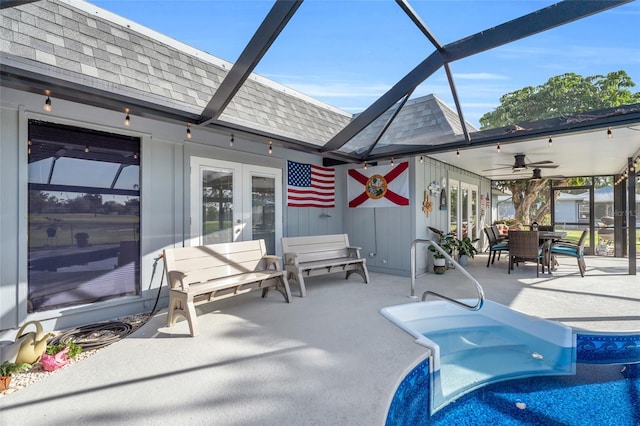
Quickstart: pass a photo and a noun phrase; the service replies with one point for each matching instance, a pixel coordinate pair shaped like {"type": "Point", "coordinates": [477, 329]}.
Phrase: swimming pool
{"type": "Point", "coordinates": [472, 350]}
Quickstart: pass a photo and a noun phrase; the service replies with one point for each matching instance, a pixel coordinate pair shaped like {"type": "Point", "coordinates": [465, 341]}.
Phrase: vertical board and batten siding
{"type": "Point", "coordinates": [386, 233]}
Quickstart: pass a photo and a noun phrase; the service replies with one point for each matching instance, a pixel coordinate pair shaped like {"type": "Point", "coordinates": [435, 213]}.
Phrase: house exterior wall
{"type": "Point", "coordinates": [165, 156]}
{"type": "Point", "coordinates": [165, 200]}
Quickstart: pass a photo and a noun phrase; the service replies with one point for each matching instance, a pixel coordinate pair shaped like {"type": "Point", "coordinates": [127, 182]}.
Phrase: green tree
{"type": "Point", "coordinates": [561, 95]}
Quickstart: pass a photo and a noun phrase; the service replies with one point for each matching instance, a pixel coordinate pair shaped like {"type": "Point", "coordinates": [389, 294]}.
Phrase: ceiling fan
{"type": "Point", "coordinates": [537, 175]}
{"type": "Point", "coordinates": [521, 164]}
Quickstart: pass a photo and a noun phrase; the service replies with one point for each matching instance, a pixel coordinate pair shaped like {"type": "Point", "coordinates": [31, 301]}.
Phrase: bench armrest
{"type": "Point", "coordinates": [291, 259]}
{"type": "Point", "coordinates": [176, 280]}
{"type": "Point", "coordinates": [270, 260]}
{"type": "Point", "coordinates": [351, 250]}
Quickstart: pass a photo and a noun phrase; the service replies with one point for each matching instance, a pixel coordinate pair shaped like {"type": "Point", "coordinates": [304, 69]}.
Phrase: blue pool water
{"type": "Point", "coordinates": [474, 356]}
{"type": "Point", "coordinates": [596, 395]}
{"type": "Point", "coordinates": [500, 367]}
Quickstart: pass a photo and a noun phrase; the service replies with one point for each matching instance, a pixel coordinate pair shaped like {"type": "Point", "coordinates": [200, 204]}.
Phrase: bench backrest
{"type": "Point", "coordinates": [205, 263]}
{"type": "Point", "coordinates": [317, 247]}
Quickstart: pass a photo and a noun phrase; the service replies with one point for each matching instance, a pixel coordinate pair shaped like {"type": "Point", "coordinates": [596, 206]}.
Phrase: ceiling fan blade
{"type": "Point", "coordinates": [535, 163]}
{"type": "Point", "coordinates": [498, 168]}
{"type": "Point", "coordinates": [554, 166]}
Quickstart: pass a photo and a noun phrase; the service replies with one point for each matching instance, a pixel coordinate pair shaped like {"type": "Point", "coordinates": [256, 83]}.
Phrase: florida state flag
{"type": "Point", "coordinates": [382, 186]}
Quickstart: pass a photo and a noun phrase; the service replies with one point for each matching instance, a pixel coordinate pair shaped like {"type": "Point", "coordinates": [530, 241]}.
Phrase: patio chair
{"type": "Point", "coordinates": [498, 233]}
{"type": "Point", "coordinates": [525, 246]}
{"type": "Point", "coordinates": [495, 246]}
{"type": "Point", "coordinates": [573, 250]}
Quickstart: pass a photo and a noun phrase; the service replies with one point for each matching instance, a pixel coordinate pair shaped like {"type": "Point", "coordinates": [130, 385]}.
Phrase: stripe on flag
{"type": "Point", "coordinates": [382, 186]}
{"type": "Point", "coordinates": [309, 185]}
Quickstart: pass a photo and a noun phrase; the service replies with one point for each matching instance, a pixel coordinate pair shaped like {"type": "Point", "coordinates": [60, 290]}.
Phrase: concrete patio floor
{"type": "Point", "coordinates": [327, 359]}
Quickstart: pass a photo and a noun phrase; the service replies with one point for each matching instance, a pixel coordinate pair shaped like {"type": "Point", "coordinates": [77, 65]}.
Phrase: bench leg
{"type": "Point", "coordinates": [181, 304]}
{"type": "Point", "coordinates": [360, 270]}
{"type": "Point", "coordinates": [297, 278]}
{"type": "Point", "coordinates": [282, 285]}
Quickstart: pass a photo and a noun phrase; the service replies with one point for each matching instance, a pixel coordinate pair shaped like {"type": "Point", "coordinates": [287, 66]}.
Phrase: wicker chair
{"type": "Point", "coordinates": [525, 246]}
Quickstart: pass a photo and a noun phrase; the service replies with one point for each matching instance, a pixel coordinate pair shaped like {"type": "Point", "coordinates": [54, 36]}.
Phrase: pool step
{"type": "Point", "coordinates": [462, 371]}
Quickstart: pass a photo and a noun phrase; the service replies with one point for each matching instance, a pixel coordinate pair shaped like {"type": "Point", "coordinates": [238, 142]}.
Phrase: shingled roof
{"type": "Point", "coordinates": [86, 45]}
{"type": "Point", "coordinates": [421, 121]}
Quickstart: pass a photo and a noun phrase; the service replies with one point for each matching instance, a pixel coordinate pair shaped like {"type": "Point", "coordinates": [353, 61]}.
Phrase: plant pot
{"type": "Point", "coordinates": [4, 383]}
{"type": "Point", "coordinates": [463, 260]}
{"type": "Point", "coordinates": [439, 265]}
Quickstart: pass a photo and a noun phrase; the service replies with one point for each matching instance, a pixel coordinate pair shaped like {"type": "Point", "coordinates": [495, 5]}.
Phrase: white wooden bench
{"type": "Point", "coordinates": [321, 254]}
{"type": "Point", "coordinates": [217, 271]}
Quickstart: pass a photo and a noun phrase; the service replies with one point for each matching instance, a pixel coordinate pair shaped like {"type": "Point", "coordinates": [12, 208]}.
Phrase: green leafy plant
{"type": "Point", "coordinates": [448, 244]}
{"type": "Point", "coordinates": [8, 368]}
{"type": "Point", "coordinates": [74, 349]}
{"type": "Point", "coordinates": [465, 247]}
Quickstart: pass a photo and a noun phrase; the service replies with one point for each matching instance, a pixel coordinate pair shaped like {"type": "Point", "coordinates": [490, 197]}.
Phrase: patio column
{"type": "Point", "coordinates": [632, 214]}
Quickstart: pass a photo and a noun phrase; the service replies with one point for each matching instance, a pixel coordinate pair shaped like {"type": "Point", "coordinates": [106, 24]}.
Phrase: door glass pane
{"type": "Point", "coordinates": [453, 206]}
{"type": "Point", "coordinates": [474, 214]}
{"type": "Point", "coordinates": [465, 211]}
{"type": "Point", "coordinates": [217, 206]}
{"type": "Point", "coordinates": [263, 207]}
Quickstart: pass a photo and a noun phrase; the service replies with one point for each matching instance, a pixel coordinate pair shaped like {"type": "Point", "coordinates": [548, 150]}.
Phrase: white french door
{"type": "Point", "coordinates": [235, 202]}
{"type": "Point", "coordinates": [464, 209]}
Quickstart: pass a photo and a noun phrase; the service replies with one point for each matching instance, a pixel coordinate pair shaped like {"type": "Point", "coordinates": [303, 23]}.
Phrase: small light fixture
{"type": "Point", "coordinates": [498, 147]}
{"type": "Point", "coordinates": [392, 161]}
{"type": "Point", "coordinates": [135, 155]}
{"type": "Point", "coordinates": [609, 134]}
{"type": "Point", "coordinates": [29, 147]}
{"type": "Point", "coordinates": [188, 130]}
{"type": "Point", "coordinates": [422, 159]}
{"type": "Point", "coordinates": [537, 175]}
{"type": "Point", "coordinates": [270, 147]}
{"type": "Point", "coordinates": [47, 103]}
{"type": "Point", "coordinates": [127, 119]}
{"type": "Point", "coordinates": [458, 153]}
{"type": "Point", "coordinates": [550, 141]}
{"type": "Point", "coordinates": [86, 148]}
{"type": "Point", "coordinates": [365, 165]}
{"type": "Point", "coordinates": [231, 141]}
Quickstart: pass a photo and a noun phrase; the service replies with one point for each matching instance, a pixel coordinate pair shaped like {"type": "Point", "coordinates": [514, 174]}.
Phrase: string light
{"type": "Point", "coordinates": [29, 147]}
{"type": "Point", "coordinates": [127, 119]}
{"type": "Point", "coordinates": [421, 159]}
{"type": "Point", "coordinates": [365, 165]}
{"type": "Point", "coordinates": [550, 141]}
{"type": "Point", "coordinates": [86, 148]}
{"type": "Point", "coordinates": [188, 130]}
{"type": "Point", "coordinates": [135, 155]}
{"type": "Point", "coordinates": [458, 153]}
{"type": "Point", "coordinates": [270, 147]}
{"type": "Point", "coordinates": [498, 147]}
{"type": "Point", "coordinates": [609, 134]}
{"type": "Point", "coordinates": [231, 141]}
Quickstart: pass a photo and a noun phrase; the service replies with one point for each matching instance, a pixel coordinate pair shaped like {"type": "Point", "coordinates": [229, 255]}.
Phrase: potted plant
{"type": "Point", "coordinates": [7, 369]}
{"type": "Point", "coordinates": [465, 250]}
{"type": "Point", "coordinates": [59, 355]}
{"type": "Point", "coordinates": [447, 243]}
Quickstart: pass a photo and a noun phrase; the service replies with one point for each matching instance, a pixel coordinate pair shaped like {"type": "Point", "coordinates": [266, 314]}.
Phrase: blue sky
{"type": "Point", "coordinates": [348, 53]}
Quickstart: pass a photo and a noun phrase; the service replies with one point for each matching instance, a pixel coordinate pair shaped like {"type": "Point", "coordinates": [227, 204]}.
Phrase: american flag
{"type": "Point", "coordinates": [309, 185]}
